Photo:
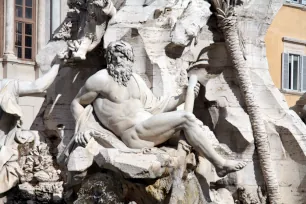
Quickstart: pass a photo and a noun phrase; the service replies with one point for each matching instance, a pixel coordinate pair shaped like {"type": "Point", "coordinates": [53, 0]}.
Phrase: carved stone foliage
{"type": "Point", "coordinates": [42, 179]}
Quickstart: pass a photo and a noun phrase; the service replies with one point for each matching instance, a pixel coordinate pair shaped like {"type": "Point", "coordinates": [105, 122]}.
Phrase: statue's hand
{"type": "Point", "coordinates": [200, 123]}
{"type": "Point", "coordinates": [82, 138]}
{"type": "Point", "coordinates": [197, 89]}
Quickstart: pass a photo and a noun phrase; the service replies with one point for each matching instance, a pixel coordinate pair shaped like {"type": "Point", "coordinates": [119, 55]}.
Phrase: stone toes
{"type": "Point", "coordinates": [241, 165]}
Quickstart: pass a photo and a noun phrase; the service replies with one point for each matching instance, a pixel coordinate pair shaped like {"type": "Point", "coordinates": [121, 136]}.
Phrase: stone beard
{"type": "Point", "coordinates": [120, 73]}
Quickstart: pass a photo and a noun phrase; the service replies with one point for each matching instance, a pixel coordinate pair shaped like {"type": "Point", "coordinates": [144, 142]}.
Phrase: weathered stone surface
{"type": "Point", "coordinates": [222, 195]}
{"type": "Point", "coordinates": [101, 189]}
{"type": "Point", "coordinates": [150, 164]}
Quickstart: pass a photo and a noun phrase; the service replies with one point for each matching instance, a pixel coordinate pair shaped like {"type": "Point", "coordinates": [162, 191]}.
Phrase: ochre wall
{"type": "Point", "coordinates": [289, 22]}
{"type": "Point", "coordinates": [291, 99]}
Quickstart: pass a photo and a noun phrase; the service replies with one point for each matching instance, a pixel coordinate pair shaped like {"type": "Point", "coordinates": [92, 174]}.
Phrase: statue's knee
{"type": "Point", "coordinates": [199, 122]}
{"type": "Point", "coordinates": [129, 140]}
{"type": "Point", "coordinates": [189, 117]}
{"type": "Point", "coordinates": [126, 140]}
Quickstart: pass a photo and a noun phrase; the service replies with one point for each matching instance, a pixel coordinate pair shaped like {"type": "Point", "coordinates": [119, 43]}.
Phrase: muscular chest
{"type": "Point", "coordinates": [119, 93]}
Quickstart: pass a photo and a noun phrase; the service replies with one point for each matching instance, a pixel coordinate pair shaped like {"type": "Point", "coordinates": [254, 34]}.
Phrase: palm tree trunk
{"type": "Point", "coordinates": [227, 22]}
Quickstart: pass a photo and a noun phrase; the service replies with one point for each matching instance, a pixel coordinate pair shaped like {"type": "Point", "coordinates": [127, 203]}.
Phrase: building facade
{"type": "Point", "coordinates": [286, 50]}
{"type": "Point", "coordinates": [26, 27]}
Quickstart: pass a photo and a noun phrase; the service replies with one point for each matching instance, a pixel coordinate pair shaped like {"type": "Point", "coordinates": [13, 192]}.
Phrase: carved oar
{"type": "Point", "coordinates": [189, 102]}
{"type": "Point", "coordinates": [178, 189]}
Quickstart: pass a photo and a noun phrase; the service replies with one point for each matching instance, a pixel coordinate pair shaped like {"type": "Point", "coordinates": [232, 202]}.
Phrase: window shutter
{"type": "Point", "coordinates": [303, 78]}
{"type": "Point", "coordinates": [285, 71]}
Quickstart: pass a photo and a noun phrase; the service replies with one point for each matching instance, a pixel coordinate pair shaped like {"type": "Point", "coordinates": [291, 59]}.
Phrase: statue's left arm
{"type": "Point", "coordinates": [39, 85]}
{"type": "Point", "coordinates": [175, 101]}
{"type": "Point", "coordinates": [155, 104]}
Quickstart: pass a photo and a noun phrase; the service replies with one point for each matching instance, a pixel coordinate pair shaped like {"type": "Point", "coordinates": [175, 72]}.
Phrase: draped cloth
{"type": "Point", "coordinates": [9, 97]}
{"type": "Point", "coordinates": [79, 158]}
{"type": "Point", "coordinates": [9, 167]}
{"type": "Point", "coordinates": [151, 103]}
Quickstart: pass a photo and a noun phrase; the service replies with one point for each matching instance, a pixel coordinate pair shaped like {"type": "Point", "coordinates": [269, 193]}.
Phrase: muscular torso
{"type": "Point", "coordinates": [120, 108]}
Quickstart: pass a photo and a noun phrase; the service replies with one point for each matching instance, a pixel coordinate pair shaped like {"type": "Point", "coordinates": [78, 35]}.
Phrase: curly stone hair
{"type": "Point", "coordinates": [119, 46]}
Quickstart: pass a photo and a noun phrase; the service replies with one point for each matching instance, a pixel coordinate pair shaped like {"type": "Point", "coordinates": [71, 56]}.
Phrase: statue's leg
{"type": "Point", "coordinates": [159, 128]}
{"type": "Point", "coordinates": [82, 51]}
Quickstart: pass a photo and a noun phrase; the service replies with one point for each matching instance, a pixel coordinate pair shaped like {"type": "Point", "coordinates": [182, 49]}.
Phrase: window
{"type": "Point", "coordinates": [297, 1]}
{"type": "Point", "coordinates": [294, 72]}
{"type": "Point", "coordinates": [25, 29]}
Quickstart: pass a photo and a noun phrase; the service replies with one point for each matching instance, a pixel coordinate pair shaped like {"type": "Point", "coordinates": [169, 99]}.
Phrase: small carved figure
{"type": "Point", "coordinates": [127, 107]}
{"type": "Point", "coordinates": [98, 14]}
{"type": "Point", "coordinates": [71, 24]}
{"type": "Point", "coordinates": [11, 133]}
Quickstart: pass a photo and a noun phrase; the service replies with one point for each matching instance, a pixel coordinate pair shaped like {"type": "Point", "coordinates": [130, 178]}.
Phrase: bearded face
{"type": "Point", "coordinates": [120, 68]}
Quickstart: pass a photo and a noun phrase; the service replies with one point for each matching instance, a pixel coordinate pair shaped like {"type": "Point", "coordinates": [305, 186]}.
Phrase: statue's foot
{"type": "Point", "coordinates": [79, 56]}
{"type": "Point", "coordinates": [62, 55]}
{"type": "Point", "coordinates": [230, 166]}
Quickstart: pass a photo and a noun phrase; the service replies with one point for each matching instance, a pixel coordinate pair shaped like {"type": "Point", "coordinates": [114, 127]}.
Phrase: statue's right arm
{"type": "Point", "coordinates": [87, 94]}
{"type": "Point", "coordinates": [84, 97]}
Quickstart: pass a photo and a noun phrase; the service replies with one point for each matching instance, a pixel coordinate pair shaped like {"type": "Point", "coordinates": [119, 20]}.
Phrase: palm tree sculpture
{"type": "Point", "coordinates": [227, 22]}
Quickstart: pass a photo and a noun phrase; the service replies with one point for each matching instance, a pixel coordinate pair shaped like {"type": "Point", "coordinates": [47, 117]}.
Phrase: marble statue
{"type": "Point", "coordinates": [127, 107]}
{"type": "Point", "coordinates": [11, 133]}
{"type": "Point", "coordinates": [98, 13]}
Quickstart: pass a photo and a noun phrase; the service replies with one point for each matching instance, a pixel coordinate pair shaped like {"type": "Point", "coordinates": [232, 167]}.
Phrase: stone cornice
{"type": "Point", "coordinates": [294, 40]}
{"type": "Point", "coordinates": [294, 5]}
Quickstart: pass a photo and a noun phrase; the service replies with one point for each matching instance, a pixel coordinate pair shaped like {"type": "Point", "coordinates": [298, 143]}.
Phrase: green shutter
{"type": "Point", "coordinates": [303, 75]}
{"type": "Point", "coordinates": [285, 71]}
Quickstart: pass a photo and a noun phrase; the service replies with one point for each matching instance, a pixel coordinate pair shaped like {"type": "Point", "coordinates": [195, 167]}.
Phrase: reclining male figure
{"type": "Point", "coordinates": [126, 106]}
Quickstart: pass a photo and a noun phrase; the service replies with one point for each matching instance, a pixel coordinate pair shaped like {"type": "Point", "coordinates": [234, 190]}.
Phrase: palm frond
{"type": "Point", "coordinates": [220, 16]}
{"type": "Point", "coordinates": [221, 12]}
{"type": "Point", "coordinates": [221, 7]}
{"type": "Point", "coordinates": [216, 3]}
